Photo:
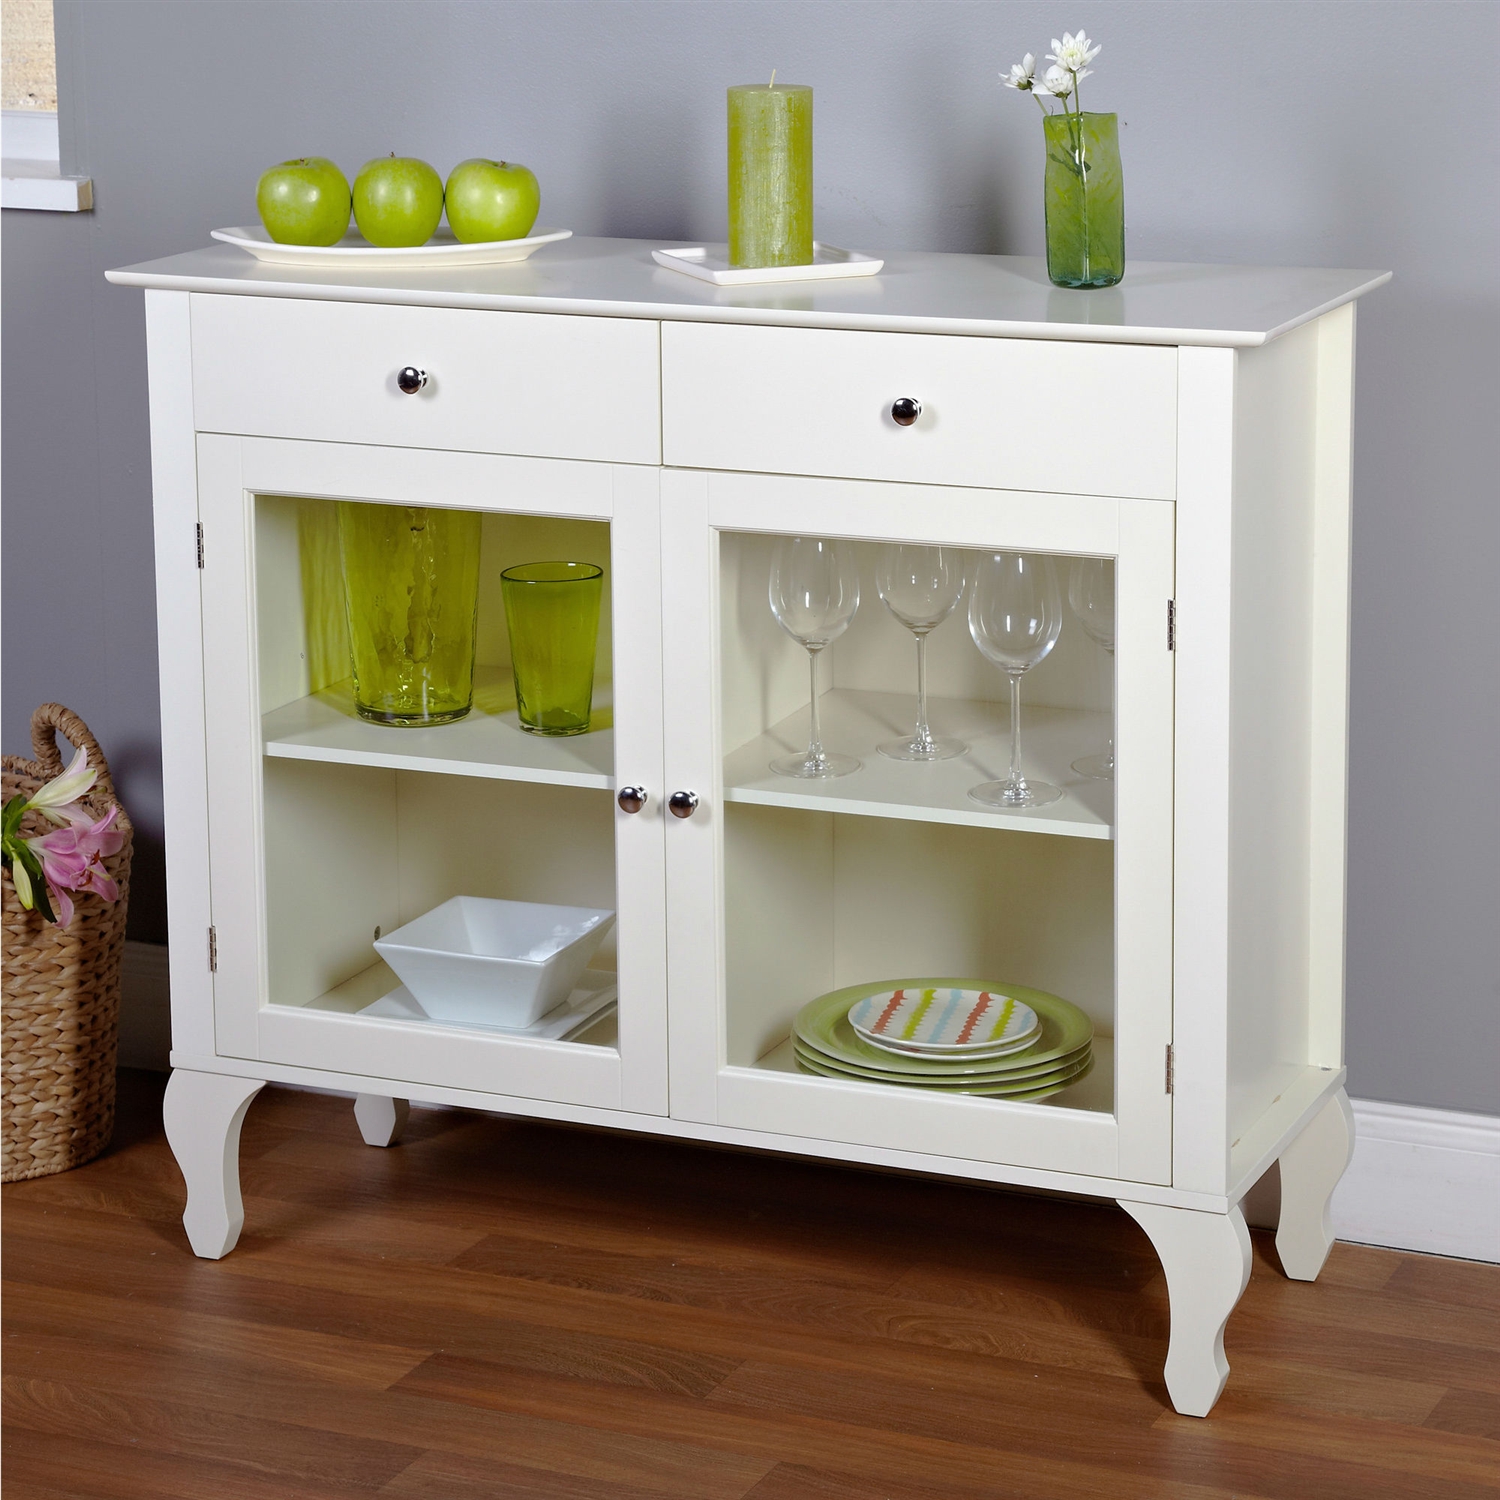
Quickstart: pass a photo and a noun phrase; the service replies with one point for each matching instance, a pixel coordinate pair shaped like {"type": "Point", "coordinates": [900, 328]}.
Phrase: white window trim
{"type": "Point", "coordinates": [30, 175]}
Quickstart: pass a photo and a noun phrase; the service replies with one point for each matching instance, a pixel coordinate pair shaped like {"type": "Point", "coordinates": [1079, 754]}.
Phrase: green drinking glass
{"type": "Point", "coordinates": [552, 614]}
{"type": "Point", "coordinates": [1084, 194]}
{"type": "Point", "coordinates": [411, 591]}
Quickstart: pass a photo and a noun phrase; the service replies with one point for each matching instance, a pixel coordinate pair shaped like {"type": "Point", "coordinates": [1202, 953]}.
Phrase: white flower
{"type": "Point", "coordinates": [1021, 74]}
{"type": "Point", "coordinates": [1073, 53]}
{"type": "Point", "coordinates": [53, 800]}
{"type": "Point", "coordinates": [1058, 83]}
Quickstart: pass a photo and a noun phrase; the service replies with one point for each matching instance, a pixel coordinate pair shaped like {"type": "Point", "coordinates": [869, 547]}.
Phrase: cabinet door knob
{"type": "Point", "coordinates": [411, 380]}
{"type": "Point", "coordinates": [632, 798]}
{"type": "Point", "coordinates": [683, 804]}
{"type": "Point", "coordinates": [905, 410]}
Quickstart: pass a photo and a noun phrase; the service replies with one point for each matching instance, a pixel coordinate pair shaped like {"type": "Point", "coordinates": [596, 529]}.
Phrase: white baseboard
{"type": "Point", "coordinates": [145, 1007]}
{"type": "Point", "coordinates": [1422, 1179]}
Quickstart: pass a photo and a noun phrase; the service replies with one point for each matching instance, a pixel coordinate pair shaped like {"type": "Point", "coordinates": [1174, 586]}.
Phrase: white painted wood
{"type": "Point", "coordinates": [381, 1119]}
{"type": "Point", "coordinates": [1311, 1166]}
{"type": "Point", "coordinates": [179, 635]}
{"type": "Point", "coordinates": [991, 413]}
{"type": "Point", "coordinates": [1200, 962]}
{"type": "Point", "coordinates": [202, 1113]}
{"type": "Point", "coordinates": [1000, 296]}
{"type": "Point", "coordinates": [1328, 767]}
{"type": "Point", "coordinates": [640, 855]}
{"type": "Point", "coordinates": [39, 185]}
{"type": "Point", "coordinates": [1422, 1179]}
{"type": "Point", "coordinates": [554, 387]}
{"type": "Point", "coordinates": [1254, 1152]}
{"type": "Point", "coordinates": [694, 846]}
{"type": "Point", "coordinates": [1206, 1258]}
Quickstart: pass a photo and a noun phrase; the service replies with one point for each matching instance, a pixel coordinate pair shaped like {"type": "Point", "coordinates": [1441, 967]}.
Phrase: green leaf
{"type": "Point", "coordinates": [15, 810]}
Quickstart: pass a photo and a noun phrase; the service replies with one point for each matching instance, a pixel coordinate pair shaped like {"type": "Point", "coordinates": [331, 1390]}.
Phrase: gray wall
{"type": "Point", "coordinates": [1296, 133]}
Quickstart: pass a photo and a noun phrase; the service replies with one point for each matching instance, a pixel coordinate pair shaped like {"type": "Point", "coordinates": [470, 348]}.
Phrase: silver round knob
{"type": "Point", "coordinates": [683, 804]}
{"type": "Point", "coordinates": [632, 798]}
{"type": "Point", "coordinates": [411, 380]}
{"type": "Point", "coordinates": [905, 411]}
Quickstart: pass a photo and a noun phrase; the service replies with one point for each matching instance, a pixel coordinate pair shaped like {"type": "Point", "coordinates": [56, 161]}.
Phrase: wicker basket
{"type": "Point", "coordinates": [61, 987]}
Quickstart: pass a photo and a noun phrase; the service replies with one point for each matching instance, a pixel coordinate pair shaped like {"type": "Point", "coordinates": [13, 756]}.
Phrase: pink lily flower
{"type": "Point", "coordinates": [73, 860]}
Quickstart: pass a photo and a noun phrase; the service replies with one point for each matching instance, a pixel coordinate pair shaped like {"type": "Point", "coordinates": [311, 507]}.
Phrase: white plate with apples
{"type": "Point", "coordinates": [355, 250]}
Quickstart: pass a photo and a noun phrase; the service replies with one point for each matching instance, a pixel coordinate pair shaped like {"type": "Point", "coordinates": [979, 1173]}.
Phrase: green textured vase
{"type": "Point", "coordinates": [411, 589]}
{"type": "Point", "coordinates": [552, 614]}
{"type": "Point", "coordinates": [1085, 200]}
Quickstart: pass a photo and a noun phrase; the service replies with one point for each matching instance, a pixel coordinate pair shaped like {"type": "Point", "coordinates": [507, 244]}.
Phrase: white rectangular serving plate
{"type": "Point", "coordinates": [354, 250]}
{"type": "Point", "coordinates": [597, 993]}
{"type": "Point", "coordinates": [711, 263]}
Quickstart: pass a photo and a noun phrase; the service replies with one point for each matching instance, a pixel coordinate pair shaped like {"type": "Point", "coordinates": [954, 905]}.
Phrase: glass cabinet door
{"type": "Point", "coordinates": [330, 832]}
{"type": "Point", "coordinates": [876, 937]}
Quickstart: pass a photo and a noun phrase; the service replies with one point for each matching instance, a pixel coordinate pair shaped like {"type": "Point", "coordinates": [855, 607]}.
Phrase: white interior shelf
{"type": "Point", "coordinates": [489, 742]}
{"type": "Point", "coordinates": [855, 722]}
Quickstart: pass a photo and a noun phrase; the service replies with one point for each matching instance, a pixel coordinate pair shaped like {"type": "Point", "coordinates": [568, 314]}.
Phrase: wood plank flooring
{"type": "Point", "coordinates": [498, 1308]}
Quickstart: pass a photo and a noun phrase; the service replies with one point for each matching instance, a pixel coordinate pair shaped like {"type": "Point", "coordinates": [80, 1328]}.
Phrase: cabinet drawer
{"type": "Point", "coordinates": [1075, 418]}
{"type": "Point", "coordinates": [498, 382]}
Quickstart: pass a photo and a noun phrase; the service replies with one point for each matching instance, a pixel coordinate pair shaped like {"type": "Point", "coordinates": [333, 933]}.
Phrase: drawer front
{"type": "Point", "coordinates": [498, 382]}
{"type": "Point", "coordinates": [1070, 418]}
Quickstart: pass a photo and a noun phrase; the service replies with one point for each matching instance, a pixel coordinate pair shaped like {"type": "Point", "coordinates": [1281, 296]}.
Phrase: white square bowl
{"type": "Point", "coordinates": [497, 963]}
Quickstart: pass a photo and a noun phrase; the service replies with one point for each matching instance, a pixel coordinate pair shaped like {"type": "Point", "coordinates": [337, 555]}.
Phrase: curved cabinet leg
{"type": "Point", "coordinates": [1207, 1261]}
{"type": "Point", "coordinates": [203, 1113]}
{"type": "Point", "coordinates": [1310, 1170]}
{"type": "Point", "coordinates": [381, 1120]}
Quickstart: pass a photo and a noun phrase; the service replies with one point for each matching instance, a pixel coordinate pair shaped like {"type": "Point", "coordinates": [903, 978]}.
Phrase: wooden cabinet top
{"type": "Point", "coordinates": [994, 296]}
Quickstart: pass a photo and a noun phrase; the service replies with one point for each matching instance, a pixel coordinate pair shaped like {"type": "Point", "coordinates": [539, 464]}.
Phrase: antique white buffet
{"type": "Point", "coordinates": [1191, 426]}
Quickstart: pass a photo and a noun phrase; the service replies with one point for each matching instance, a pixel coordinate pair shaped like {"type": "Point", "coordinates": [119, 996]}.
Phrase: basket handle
{"type": "Point", "coordinates": [46, 722]}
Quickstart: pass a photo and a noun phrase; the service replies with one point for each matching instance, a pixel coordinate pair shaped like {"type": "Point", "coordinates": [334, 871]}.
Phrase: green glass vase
{"type": "Point", "coordinates": [1084, 195]}
{"type": "Point", "coordinates": [411, 591]}
{"type": "Point", "coordinates": [552, 614]}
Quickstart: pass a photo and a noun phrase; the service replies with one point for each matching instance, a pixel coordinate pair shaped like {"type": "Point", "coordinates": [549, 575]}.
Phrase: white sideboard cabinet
{"type": "Point", "coordinates": [1189, 430]}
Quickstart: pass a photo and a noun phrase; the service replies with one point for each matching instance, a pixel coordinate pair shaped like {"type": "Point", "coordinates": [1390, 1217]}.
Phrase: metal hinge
{"type": "Point", "coordinates": [213, 951]}
{"type": "Point", "coordinates": [1171, 1071]}
{"type": "Point", "coordinates": [200, 543]}
{"type": "Point", "coordinates": [1171, 621]}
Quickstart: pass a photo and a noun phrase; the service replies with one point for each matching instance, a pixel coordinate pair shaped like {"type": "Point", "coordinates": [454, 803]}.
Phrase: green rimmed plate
{"type": "Point", "coordinates": [1023, 1091]}
{"type": "Point", "coordinates": [954, 1078]}
{"type": "Point", "coordinates": [822, 1026]}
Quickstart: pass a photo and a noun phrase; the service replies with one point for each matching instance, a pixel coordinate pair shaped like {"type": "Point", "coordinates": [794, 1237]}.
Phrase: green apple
{"type": "Point", "coordinates": [492, 200]}
{"type": "Point", "coordinates": [304, 202]}
{"type": "Point", "coordinates": [398, 200]}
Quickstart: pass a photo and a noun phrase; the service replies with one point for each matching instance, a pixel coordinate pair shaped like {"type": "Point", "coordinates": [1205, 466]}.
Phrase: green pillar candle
{"type": "Point", "coordinates": [770, 175]}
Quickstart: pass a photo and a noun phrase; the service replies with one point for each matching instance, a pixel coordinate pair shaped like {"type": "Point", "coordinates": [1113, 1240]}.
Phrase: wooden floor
{"type": "Point", "coordinates": [498, 1308]}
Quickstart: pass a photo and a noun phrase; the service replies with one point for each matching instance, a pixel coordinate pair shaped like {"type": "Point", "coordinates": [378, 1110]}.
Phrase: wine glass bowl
{"type": "Point", "coordinates": [1015, 617]}
{"type": "Point", "coordinates": [1091, 595]}
{"type": "Point", "coordinates": [921, 586]}
{"type": "Point", "coordinates": [814, 592]}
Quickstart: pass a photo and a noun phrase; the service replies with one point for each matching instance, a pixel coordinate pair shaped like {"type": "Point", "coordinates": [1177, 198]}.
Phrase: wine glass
{"type": "Point", "coordinates": [921, 586]}
{"type": "Point", "coordinates": [1091, 593]}
{"type": "Point", "coordinates": [814, 593]}
{"type": "Point", "coordinates": [1015, 615]}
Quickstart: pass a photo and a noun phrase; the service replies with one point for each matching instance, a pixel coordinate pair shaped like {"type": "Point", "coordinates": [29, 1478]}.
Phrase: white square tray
{"type": "Point", "coordinates": [711, 263]}
{"type": "Point", "coordinates": [597, 993]}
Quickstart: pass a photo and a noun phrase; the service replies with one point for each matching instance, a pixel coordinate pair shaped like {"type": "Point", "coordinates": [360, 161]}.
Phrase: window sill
{"type": "Point", "coordinates": [29, 174]}
{"type": "Point", "coordinates": [38, 184]}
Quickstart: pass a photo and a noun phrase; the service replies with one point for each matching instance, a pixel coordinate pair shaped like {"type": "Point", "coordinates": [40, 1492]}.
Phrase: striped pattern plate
{"type": "Point", "coordinates": [946, 1021]}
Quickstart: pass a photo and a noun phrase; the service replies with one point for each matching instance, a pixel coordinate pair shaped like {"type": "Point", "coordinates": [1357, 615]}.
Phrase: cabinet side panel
{"type": "Point", "coordinates": [1205, 457]}
{"type": "Point", "coordinates": [1330, 688]}
{"type": "Point", "coordinates": [1271, 791]}
{"type": "Point", "coordinates": [179, 625]}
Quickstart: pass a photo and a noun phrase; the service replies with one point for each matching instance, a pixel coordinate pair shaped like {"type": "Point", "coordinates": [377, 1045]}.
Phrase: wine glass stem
{"type": "Point", "coordinates": [815, 753]}
{"type": "Point", "coordinates": [1016, 779]}
{"type": "Point", "coordinates": [923, 737]}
